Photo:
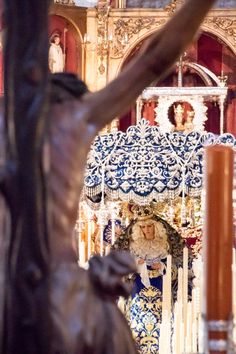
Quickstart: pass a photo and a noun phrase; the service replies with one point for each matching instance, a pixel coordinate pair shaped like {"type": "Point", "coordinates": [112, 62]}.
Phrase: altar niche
{"type": "Point", "coordinates": [181, 115]}
{"type": "Point", "coordinates": [166, 103]}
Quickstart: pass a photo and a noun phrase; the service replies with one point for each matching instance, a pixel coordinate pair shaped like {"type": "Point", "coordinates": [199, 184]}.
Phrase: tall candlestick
{"type": "Point", "coordinates": [183, 204]}
{"type": "Point", "coordinates": [188, 325]}
{"type": "Point", "coordinates": [107, 250]}
{"type": "Point", "coordinates": [217, 246]}
{"type": "Point", "coordinates": [102, 221]}
{"type": "Point", "coordinates": [101, 240]}
{"type": "Point", "coordinates": [89, 237]}
{"type": "Point", "coordinates": [165, 329]}
{"type": "Point", "coordinates": [82, 253]}
{"type": "Point", "coordinates": [201, 334]}
{"type": "Point", "coordinates": [194, 337]}
{"type": "Point", "coordinates": [103, 186]}
{"type": "Point", "coordinates": [113, 217]}
{"type": "Point", "coordinates": [185, 287]}
{"type": "Point", "coordinates": [113, 233]}
{"type": "Point", "coordinates": [182, 338]}
{"type": "Point", "coordinates": [177, 334]}
{"type": "Point", "coordinates": [194, 304]}
{"type": "Point", "coordinates": [180, 286]}
{"type": "Point", "coordinates": [168, 284]}
{"type": "Point", "coordinates": [164, 294]}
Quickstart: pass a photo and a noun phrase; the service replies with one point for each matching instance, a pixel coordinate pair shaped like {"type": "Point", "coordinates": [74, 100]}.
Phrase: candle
{"type": "Point", "coordinates": [89, 235]}
{"type": "Point", "coordinates": [103, 183]}
{"type": "Point", "coordinates": [183, 204]}
{"type": "Point", "coordinates": [201, 334]}
{"type": "Point", "coordinates": [174, 339]}
{"type": "Point", "coordinates": [182, 337]}
{"type": "Point", "coordinates": [107, 249]}
{"type": "Point", "coordinates": [178, 337]}
{"type": "Point", "coordinates": [113, 235]}
{"type": "Point", "coordinates": [164, 294]}
{"type": "Point", "coordinates": [162, 333]}
{"type": "Point", "coordinates": [188, 346]}
{"type": "Point", "coordinates": [195, 316]}
{"type": "Point", "coordinates": [180, 285]}
{"type": "Point", "coordinates": [82, 253]}
{"type": "Point", "coordinates": [185, 286]}
{"type": "Point", "coordinates": [218, 238]}
{"type": "Point", "coordinates": [168, 284]}
{"type": "Point", "coordinates": [194, 337]}
{"type": "Point", "coordinates": [194, 304]}
{"type": "Point", "coordinates": [165, 333]}
{"type": "Point", "coordinates": [101, 239]}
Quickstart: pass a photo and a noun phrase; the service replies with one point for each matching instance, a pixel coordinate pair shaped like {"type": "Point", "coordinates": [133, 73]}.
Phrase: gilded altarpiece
{"type": "Point", "coordinates": [113, 36]}
{"type": "Point", "coordinates": [110, 37]}
{"type": "Point", "coordinates": [129, 27]}
{"type": "Point", "coordinates": [115, 33]}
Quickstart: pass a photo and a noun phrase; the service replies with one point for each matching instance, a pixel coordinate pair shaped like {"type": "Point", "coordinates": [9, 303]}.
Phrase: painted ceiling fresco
{"type": "Point", "coordinates": [163, 3]}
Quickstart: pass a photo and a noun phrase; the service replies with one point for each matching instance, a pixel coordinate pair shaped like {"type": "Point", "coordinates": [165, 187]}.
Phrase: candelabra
{"type": "Point", "coordinates": [104, 39]}
{"type": "Point", "coordinates": [223, 79]}
{"type": "Point", "coordinates": [106, 44]}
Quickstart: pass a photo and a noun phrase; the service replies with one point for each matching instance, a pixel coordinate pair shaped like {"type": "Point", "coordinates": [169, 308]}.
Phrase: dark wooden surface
{"type": "Point", "coordinates": [27, 325]}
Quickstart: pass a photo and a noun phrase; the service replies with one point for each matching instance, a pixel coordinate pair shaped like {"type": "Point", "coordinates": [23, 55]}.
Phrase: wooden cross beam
{"type": "Point", "coordinates": [27, 325]}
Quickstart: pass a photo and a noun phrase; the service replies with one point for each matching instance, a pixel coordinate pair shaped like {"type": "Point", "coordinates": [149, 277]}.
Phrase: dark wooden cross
{"type": "Point", "coordinates": [27, 324]}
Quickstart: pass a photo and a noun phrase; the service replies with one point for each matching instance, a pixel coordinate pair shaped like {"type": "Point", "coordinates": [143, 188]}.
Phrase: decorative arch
{"type": "Point", "coordinates": [222, 34]}
{"type": "Point", "coordinates": [135, 44]}
{"type": "Point", "coordinates": [207, 29]}
{"type": "Point", "coordinates": [60, 11]}
{"type": "Point", "coordinates": [226, 38]}
{"type": "Point", "coordinates": [71, 40]}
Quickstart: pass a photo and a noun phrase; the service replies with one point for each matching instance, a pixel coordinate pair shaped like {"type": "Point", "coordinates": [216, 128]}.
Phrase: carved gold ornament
{"type": "Point", "coordinates": [227, 25]}
{"type": "Point", "coordinates": [126, 29]}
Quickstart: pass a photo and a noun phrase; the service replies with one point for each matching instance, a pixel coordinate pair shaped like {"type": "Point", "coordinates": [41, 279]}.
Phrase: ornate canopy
{"type": "Point", "coordinates": [145, 163]}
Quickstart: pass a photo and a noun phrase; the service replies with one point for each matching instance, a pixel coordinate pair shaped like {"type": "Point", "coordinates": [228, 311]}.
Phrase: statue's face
{"type": "Point", "coordinates": [178, 118]}
{"type": "Point", "coordinates": [57, 40]}
{"type": "Point", "coordinates": [148, 230]}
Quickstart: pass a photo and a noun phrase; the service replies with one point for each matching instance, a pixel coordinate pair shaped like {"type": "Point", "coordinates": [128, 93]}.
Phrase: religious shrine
{"type": "Point", "coordinates": [144, 190]}
{"type": "Point", "coordinates": [147, 188]}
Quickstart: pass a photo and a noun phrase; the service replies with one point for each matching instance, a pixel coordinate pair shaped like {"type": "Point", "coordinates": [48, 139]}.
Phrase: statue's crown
{"type": "Point", "coordinates": [142, 212]}
{"type": "Point", "coordinates": [178, 109]}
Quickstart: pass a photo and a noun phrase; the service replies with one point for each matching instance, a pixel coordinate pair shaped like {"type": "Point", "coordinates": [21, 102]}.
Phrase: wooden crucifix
{"type": "Point", "coordinates": [50, 304]}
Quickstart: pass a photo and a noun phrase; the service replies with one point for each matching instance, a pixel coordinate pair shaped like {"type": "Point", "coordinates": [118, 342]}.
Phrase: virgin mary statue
{"type": "Point", "coordinates": [149, 239]}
